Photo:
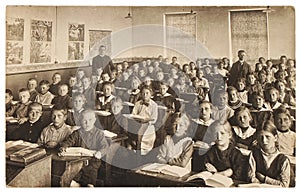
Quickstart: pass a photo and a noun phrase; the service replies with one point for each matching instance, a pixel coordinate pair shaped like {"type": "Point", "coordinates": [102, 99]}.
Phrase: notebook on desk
{"type": "Point", "coordinates": [212, 180]}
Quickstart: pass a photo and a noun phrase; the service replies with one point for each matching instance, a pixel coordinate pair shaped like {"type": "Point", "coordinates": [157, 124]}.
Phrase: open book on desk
{"type": "Point", "coordinates": [213, 180]}
{"type": "Point", "coordinates": [77, 151]}
{"type": "Point", "coordinates": [167, 169]}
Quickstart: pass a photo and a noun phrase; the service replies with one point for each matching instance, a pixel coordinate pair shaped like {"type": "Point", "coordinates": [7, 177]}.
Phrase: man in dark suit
{"type": "Point", "coordinates": [102, 61]}
{"type": "Point", "coordinates": [239, 69]}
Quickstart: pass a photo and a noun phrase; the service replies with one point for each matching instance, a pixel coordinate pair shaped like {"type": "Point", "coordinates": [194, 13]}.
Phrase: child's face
{"type": "Point", "coordinates": [86, 82]}
{"type": "Point", "coordinates": [34, 114]}
{"type": "Point", "coordinates": [182, 80]}
{"type": "Point", "coordinates": [78, 103]}
{"type": "Point", "coordinates": [266, 140]}
{"type": "Point", "coordinates": [283, 122]}
{"type": "Point", "coordinates": [243, 119]}
{"type": "Point", "coordinates": [72, 81]}
{"type": "Point", "coordinates": [240, 86]}
{"type": "Point", "coordinates": [258, 102]}
{"type": "Point", "coordinates": [125, 64]}
{"type": "Point", "coordinates": [205, 111]}
{"type": "Point", "coordinates": [170, 82]}
{"type": "Point", "coordinates": [8, 98]}
{"type": "Point", "coordinates": [107, 90]}
{"type": "Point", "coordinates": [251, 79]}
{"type": "Point", "coordinates": [262, 77]}
{"type": "Point", "coordinates": [125, 76]}
{"type": "Point", "coordinates": [163, 89]}
{"type": "Point", "coordinates": [222, 137]}
{"type": "Point", "coordinates": [147, 81]}
{"type": "Point", "coordinates": [233, 97]}
{"type": "Point", "coordinates": [113, 75]}
{"type": "Point", "coordinates": [173, 71]}
{"type": "Point", "coordinates": [24, 96]}
{"type": "Point", "coordinates": [273, 96]}
{"type": "Point", "coordinates": [142, 73]}
{"type": "Point", "coordinates": [181, 128]}
{"type": "Point", "coordinates": [150, 69]}
{"type": "Point", "coordinates": [119, 67]}
{"type": "Point", "coordinates": [44, 88]}
{"type": "Point", "coordinates": [58, 118]}
{"type": "Point", "coordinates": [116, 107]}
{"type": "Point", "coordinates": [56, 78]}
{"type": "Point", "coordinates": [281, 86]}
{"type": "Point", "coordinates": [291, 82]}
{"type": "Point", "coordinates": [32, 84]}
{"type": "Point", "coordinates": [105, 77]}
{"type": "Point", "coordinates": [146, 95]}
{"type": "Point", "coordinates": [99, 72]}
{"type": "Point", "coordinates": [129, 70]}
{"type": "Point", "coordinates": [200, 74]}
{"type": "Point", "coordinates": [207, 70]}
{"type": "Point", "coordinates": [223, 98]}
{"type": "Point", "coordinates": [160, 76]}
{"type": "Point", "coordinates": [63, 90]}
{"type": "Point", "coordinates": [88, 120]}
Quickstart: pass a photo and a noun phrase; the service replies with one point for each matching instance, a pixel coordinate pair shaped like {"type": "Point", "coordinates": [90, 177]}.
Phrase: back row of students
{"type": "Point", "coordinates": [245, 108]}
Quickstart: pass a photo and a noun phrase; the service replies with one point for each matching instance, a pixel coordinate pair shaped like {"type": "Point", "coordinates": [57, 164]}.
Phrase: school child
{"type": "Point", "coordinates": [156, 82]}
{"type": "Point", "coordinates": [57, 131]}
{"type": "Point", "coordinates": [222, 111]}
{"type": "Point", "coordinates": [291, 85]}
{"type": "Point", "coordinates": [104, 101]}
{"type": "Point", "coordinates": [89, 92]}
{"type": "Point", "coordinates": [31, 86]}
{"type": "Point", "coordinates": [222, 70]}
{"type": "Point", "coordinates": [92, 138]}
{"type": "Point", "coordinates": [286, 134]}
{"type": "Point", "coordinates": [166, 98]}
{"type": "Point", "coordinates": [226, 62]}
{"type": "Point", "coordinates": [119, 69]}
{"type": "Point", "coordinates": [173, 73]}
{"type": "Point", "coordinates": [44, 97]}
{"type": "Point", "coordinates": [148, 109]}
{"type": "Point", "coordinates": [270, 71]}
{"type": "Point", "coordinates": [56, 81]}
{"type": "Point", "coordinates": [79, 102]}
{"type": "Point", "coordinates": [174, 63]}
{"type": "Point", "coordinates": [199, 129]}
{"type": "Point", "coordinates": [241, 88]}
{"type": "Point", "coordinates": [156, 67]}
{"type": "Point", "coordinates": [223, 157]}
{"type": "Point", "coordinates": [272, 97]}
{"type": "Point", "coordinates": [267, 164]}
{"type": "Point", "coordinates": [252, 85]}
{"type": "Point", "coordinates": [258, 110]}
{"type": "Point", "coordinates": [285, 96]}
{"type": "Point", "coordinates": [181, 86]}
{"type": "Point", "coordinates": [133, 94]}
{"type": "Point", "coordinates": [262, 61]}
{"type": "Point", "coordinates": [113, 76]}
{"type": "Point", "coordinates": [244, 134]}
{"type": "Point", "coordinates": [72, 85]}
{"type": "Point", "coordinates": [116, 122]}
{"type": "Point", "coordinates": [32, 128]}
{"type": "Point", "coordinates": [177, 148]}
{"type": "Point", "coordinates": [104, 78]}
{"type": "Point", "coordinates": [233, 100]}
{"type": "Point", "coordinates": [63, 99]}
{"type": "Point", "coordinates": [9, 106]}
{"type": "Point", "coordinates": [21, 110]}
{"type": "Point", "coordinates": [151, 73]}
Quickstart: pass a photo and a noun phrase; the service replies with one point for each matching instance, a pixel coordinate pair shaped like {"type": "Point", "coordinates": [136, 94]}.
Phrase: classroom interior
{"type": "Point", "coordinates": [133, 34]}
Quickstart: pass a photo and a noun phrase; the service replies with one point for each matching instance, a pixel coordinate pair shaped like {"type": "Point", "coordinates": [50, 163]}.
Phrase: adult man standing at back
{"type": "Point", "coordinates": [102, 61]}
{"type": "Point", "coordinates": [239, 69]}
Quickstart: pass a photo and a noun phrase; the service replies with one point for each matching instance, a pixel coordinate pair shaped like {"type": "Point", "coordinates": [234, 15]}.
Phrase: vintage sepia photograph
{"type": "Point", "coordinates": [150, 96]}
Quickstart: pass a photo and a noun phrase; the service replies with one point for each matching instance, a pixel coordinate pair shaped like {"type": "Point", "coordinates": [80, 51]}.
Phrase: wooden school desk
{"type": "Point", "coordinates": [35, 174]}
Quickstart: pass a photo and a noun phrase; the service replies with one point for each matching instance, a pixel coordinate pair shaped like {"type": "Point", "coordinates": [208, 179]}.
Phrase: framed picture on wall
{"type": "Point", "coordinates": [15, 38]}
{"type": "Point", "coordinates": [41, 40]}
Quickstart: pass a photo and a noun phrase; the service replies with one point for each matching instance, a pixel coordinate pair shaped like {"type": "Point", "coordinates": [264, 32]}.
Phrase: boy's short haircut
{"type": "Point", "coordinates": [230, 89]}
{"type": "Point", "coordinates": [108, 83]}
{"type": "Point", "coordinates": [87, 111]}
{"type": "Point", "coordinates": [56, 73]}
{"type": "Point", "coordinates": [8, 91]}
{"type": "Point", "coordinates": [146, 87]}
{"type": "Point", "coordinates": [117, 99]}
{"type": "Point", "coordinates": [206, 102]}
{"type": "Point", "coordinates": [60, 107]}
{"type": "Point", "coordinates": [44, 82]}
{"type": "Point", "coordinates": [35, 104]}
{"type": "Point", "coordinates": [63, 85]}
{"type": "Point", "coordinates": [31, 79]}
{"type": "Point", "coordinates": [78, 94]}
{"type": "Point", "coordinates": [24, 90]}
